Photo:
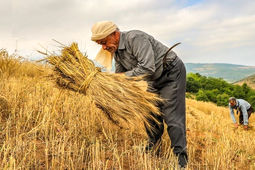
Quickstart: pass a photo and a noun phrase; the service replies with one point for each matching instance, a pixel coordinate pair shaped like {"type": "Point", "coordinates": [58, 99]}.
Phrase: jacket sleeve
{"type": "Point", "coordinates": [142, 50]}
{"type": "Point", "coordinates": [245, 115]}
{"type": "Point", "coordinates": [232, 114]}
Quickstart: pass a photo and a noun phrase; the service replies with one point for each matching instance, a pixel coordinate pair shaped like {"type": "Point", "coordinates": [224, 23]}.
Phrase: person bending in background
{"type": "Point", "coordinates": [244, 108]}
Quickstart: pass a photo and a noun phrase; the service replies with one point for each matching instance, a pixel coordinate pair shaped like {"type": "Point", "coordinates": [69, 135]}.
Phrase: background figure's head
{"type": "Point", "coordinates": [107, 34]}
{"type": "Point", "coordinates": [232, 101]}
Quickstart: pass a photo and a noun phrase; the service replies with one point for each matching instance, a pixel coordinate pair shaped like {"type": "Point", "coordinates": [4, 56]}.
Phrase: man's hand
{"type": "Point", "coordinates": [236, 125]}
{"type": "Point", "coordinates": [245, 127]}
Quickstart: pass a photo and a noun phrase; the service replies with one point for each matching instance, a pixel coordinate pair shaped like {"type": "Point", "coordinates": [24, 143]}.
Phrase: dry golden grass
{"type": "Point", "coordinates": [50, 128]}
{"type": "Point", "coordinates": [17, 66]}
{"type": "Point", "coordinates": [213, 140]}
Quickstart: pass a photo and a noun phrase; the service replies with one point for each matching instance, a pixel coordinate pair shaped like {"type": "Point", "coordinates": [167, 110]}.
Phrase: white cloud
{"type": "Point", "coordinates": [210, 31]}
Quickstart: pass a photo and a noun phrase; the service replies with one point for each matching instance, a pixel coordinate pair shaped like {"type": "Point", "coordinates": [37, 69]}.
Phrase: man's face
{"type": "Point", "coordinates": [110, 43]}
{"type": "Point", "coordinates": [232, 103]}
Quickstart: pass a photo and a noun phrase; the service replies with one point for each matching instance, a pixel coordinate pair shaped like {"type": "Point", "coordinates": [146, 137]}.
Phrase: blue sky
{"type": "Point", "coordinates": [192, 2]}
{"type": "Point", "coordinates": [211, 31]}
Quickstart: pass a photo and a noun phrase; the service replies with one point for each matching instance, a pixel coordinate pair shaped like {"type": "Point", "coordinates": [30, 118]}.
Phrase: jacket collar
{"type": "Point", "coordinates": [121, 41]}
{"type": "Point", "coordinates": [237, 103]}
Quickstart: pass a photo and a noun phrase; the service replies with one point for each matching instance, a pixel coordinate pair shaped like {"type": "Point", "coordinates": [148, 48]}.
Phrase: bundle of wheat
{"type": "Point", "coordinates": [117, 95]}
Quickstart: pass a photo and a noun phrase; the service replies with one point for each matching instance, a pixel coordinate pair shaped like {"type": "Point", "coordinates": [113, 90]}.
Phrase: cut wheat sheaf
{"type": "Point", "coordinates": [118, 96]}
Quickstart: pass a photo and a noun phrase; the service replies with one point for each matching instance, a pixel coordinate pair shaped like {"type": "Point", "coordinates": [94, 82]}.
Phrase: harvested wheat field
{"type": "Point", "coordinates": [43, 126]}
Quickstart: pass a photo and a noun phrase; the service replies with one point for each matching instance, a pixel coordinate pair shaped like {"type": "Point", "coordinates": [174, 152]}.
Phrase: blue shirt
{"type": "Point", "coordinates": [242, 106]}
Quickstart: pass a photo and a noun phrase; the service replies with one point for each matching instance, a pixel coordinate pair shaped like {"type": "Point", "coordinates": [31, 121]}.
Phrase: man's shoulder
{"type": "Point", "coordinates": [130, 32]}
{"type": "Point", "coordinates": [242, 102]}
{"type": "Point", "coordinates": [134, 34]}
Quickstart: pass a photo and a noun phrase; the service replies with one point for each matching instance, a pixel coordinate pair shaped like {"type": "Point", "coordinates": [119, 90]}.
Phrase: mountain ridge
{"type": "Point", "coordinates": [229, 72]}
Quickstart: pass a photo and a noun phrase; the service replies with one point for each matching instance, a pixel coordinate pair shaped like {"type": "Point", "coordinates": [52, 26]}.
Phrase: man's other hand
{"type": "Point", "coordinates": [245, 127]}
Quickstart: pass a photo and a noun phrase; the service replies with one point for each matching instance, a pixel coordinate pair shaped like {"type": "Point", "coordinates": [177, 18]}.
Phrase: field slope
{"type": "Point", "coordinates": [44, 127]}
{"type": "Point", "coordinates": [250, 81]}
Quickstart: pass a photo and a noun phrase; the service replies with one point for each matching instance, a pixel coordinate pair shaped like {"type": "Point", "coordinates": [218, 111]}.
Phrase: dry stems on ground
{"type": "Point", "coordinates": [49, 128]}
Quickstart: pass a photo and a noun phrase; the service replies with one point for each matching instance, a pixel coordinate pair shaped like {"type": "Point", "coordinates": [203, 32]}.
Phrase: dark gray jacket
{"type": "Point", "coordinates": [139, 54]}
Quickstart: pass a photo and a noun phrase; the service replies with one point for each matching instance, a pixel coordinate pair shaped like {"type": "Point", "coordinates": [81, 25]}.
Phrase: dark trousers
{"type": "Point", "coordinates": [249, 111]}
{"type": "Point", "coordinates": [171, 86]}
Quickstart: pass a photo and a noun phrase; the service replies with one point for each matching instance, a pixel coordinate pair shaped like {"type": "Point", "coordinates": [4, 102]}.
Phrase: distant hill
{"type": "Point", "coordinates": [250, 81]}
{"type": "Point", "coordinates": [229, 72]}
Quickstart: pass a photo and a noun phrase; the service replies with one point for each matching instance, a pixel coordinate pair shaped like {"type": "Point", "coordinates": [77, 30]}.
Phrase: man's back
{"type": "Point", "coordinates": [137, 46]}
{"type": "Point", "coordinates": [243, 103]}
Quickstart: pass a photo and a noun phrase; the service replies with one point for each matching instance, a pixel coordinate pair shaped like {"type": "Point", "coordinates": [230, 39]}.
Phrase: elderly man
{"type": "Point", "coordinates": [137, 53]}
{"type": "Point", "coordinates": [244, 108]}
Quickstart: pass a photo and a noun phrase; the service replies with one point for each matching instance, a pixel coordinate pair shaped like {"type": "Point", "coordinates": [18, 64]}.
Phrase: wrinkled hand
{"type": "Point", "coordinates": [245, 127]}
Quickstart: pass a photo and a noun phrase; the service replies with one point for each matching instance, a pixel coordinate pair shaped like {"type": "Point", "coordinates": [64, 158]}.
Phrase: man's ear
{"type": "Point", "coordinates": [116, 34]}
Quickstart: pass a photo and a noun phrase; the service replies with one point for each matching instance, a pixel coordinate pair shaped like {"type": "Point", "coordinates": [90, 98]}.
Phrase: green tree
{"type": "Point", "coordinates": [201, 96]}
{"type": "Point", "coordinates": [238, 92]}
{"type": "Point", "coordinates": [251, 100]}
{"type": "Point", "coordinates": [222, 99]}
{"type": "Point", "coordinates": [212, 94]}
{"type": "Point", "coordinates": [246, 90]}
{"type": "Point", "coordinates": [228, 90]}
{"type": "Point", "coordinates": [192, 85]}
